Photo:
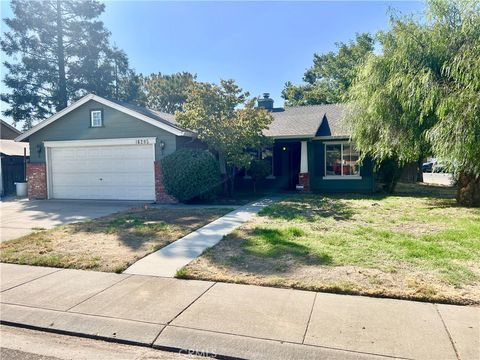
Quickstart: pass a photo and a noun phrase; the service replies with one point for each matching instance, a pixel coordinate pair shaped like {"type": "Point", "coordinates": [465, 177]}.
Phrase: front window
{"type": "Point", "coordinates": [96, 118]}
{"type": "Point", "coordinates": [341, 159]}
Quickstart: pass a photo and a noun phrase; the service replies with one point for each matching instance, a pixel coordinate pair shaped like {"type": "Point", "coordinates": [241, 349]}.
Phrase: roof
{"type": "Point", "coordinates": [157, 115]}
{"type": "Point", "coordinates": [8, 131]}
{"type": "Point", "coordinates": [12, 148]}
{"type": "Point", "coordinates": [308, 121]}
{"type": "Point", "coordinates": [155, 118]}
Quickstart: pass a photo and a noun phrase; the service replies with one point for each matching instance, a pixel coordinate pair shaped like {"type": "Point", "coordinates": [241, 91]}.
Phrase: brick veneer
{"type": "Point", "coordinates": [304, 179]}
{"type": "Point", "coordinates": [37, 181]}
{"type": "Point", "coordinates": [160, 195]}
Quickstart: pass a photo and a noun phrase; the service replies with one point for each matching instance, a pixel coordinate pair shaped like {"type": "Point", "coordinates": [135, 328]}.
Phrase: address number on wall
{"type": "Point", "coordinates": [142, 142]}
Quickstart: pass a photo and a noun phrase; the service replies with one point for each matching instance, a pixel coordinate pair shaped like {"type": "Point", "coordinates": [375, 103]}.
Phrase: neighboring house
{"type": "Point", "coordinates": [103, 149]}
{"type": "Point", "coordinates": [12, 168]}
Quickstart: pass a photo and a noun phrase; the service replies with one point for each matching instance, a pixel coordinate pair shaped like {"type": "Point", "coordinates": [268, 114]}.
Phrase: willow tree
{"type": "Point", "coordinates": [421, 94]}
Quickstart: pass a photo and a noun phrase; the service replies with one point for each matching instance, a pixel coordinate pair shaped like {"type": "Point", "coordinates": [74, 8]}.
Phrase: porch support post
{"type": "Point", "coordinates": [304, 176]}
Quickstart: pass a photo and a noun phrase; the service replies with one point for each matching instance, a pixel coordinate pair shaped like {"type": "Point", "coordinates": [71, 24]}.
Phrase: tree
{"type": "Point", "coordinates": [167, 92]}
{"type": "Point", "coordinates": [259, 170]}
{"type": "Point", "coordinates": [331, 75]}
{"type": "Point", "coordinates": [57, 50]}
{"type": "Point", "coordinates": [421, 94]}
{"type": "Point", "coordinates": [227, 121]}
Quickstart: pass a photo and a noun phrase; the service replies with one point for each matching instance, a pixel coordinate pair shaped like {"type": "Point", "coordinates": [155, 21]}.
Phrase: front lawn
{"type": "Point", "coordinates": [111, 243]}
{"type": "Point", "coordinates": [416, 244]}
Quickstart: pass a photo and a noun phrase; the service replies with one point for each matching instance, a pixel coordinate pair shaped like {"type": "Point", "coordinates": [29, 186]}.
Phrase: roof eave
{"type": "Point", "coordinates": [170, 128]}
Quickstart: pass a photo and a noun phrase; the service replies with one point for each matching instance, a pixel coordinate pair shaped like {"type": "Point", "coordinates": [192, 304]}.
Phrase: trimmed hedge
{"type": "Point", "coordinates": [189, 174]}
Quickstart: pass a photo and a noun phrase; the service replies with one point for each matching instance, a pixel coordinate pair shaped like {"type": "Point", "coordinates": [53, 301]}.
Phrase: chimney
{"type": "Point", "coordinates": [265, 102]}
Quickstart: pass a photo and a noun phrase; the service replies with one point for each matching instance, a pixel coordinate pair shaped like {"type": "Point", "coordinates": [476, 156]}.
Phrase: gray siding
{"type": "Point", "coordinates": [76, 126]}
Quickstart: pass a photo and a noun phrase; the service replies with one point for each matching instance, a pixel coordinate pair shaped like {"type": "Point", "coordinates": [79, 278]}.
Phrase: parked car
{"type": "Point", "coordinates": [428, 167]}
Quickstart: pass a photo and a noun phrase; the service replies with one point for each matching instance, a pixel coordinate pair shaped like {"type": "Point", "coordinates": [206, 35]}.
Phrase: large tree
{"type": "Point", "coordinates": [421, 94]}
{"type": "Point", "coordinates": [228, 121]}
{"type": "Point", "coordinates": [331, 75]}
{"type": "Point", "coordinates": [167, 92]}
{"type": "Point", "coordinates": [56, 51]}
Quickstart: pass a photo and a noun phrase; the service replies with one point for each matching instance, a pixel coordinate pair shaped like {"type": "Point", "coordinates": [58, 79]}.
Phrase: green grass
{"type": "Point", "coordinates": [417, 244]}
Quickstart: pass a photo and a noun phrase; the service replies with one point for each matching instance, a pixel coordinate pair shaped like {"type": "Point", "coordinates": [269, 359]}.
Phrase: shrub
{"type": "Point", "coordinates": [190, 174]}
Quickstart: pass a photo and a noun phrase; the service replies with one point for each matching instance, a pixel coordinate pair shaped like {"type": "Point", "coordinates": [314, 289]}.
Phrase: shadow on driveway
{"type": "Point", "coordinates": [20, 217]}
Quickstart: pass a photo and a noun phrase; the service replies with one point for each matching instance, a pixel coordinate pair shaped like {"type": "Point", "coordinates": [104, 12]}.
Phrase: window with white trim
{"type": "Point", "coordinates": [341, 159]}
{"type": "Point", "coordinates": [96, 118]}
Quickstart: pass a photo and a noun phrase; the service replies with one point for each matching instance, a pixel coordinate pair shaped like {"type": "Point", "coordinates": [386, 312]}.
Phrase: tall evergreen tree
{"type": "Point", "coordinates": [167, 93]}
{"type": "Point", "coordinates": [57, 50]}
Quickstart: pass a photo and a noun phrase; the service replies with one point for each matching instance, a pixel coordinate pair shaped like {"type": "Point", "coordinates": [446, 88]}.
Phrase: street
{"type": "Point", "coordinates": [23, 344]}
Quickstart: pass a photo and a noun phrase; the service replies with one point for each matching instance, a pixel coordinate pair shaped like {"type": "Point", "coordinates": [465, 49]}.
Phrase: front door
{"type": "Point", "coordinates": [290, 163]}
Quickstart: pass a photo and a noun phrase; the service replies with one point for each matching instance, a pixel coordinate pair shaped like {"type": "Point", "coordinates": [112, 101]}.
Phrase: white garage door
{"type": "Point", "coordinates": [113, 172]}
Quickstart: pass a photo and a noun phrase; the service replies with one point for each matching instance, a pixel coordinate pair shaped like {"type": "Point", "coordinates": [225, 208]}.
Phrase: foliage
{"type": "Point", "coordinates": [421, 94]}
{"type": "Point", "coordinates": [189, 174]}
{"type": "Point", "coordinates": [259, 170]}
{"type": "Point", "coordinates": [331, 74]}
{"type": "Point", "coordinates": [226, 120]}
{"type": "Point", "coordinates": [167, 92]}
{"type": "Point", "coordinates": [56, 51]}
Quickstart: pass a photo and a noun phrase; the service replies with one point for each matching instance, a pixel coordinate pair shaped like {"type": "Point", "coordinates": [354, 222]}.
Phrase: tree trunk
{"type": "Point", "coordinates": [468, 192]}
{"type": "Point", "coordinates": [223, 172]}
{"type": "Point", "coordinates": [232, 180]}
{"type": "Point", "coordinates": [62, 100]}
{"type": "Point", "coordinates": [420, 170]}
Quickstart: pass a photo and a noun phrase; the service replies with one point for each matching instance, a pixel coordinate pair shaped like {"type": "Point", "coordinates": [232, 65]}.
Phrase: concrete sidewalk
{"type": "Point", "coordinates": [239, 321]}
{"type": "Point", "coordinates": [167, 260]}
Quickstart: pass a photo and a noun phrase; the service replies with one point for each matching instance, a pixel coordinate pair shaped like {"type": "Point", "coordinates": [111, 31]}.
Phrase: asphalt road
{"type": "Point", "coordinates": [23, 344]}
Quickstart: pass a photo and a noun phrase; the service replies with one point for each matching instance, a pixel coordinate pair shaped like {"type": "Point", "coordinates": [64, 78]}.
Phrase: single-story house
{"type": "Point", "coordinates": [102, 149]}
{"type": "Point", "coordinates": [12, 158]}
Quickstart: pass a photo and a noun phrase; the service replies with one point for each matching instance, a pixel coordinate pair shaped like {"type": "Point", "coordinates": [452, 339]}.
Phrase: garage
{"type": "Point", "coordinates": [115, 169]}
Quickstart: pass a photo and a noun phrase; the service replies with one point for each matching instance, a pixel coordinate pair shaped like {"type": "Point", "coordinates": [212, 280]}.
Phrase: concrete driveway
{"type": "Point", "coordinates": [20, 217]}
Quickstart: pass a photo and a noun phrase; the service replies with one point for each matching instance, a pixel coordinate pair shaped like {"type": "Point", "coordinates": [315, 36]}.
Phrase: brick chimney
{"type": "Point", "coordinates": [266, 102]}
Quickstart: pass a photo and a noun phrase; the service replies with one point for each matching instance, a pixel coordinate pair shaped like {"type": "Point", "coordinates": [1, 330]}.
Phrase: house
{"type": "Point", "coordinates": [12, 158]}
{"type": "Point", "coordinates": [312, 151]}
{"type": "Point", "coordinates": [102, 149]}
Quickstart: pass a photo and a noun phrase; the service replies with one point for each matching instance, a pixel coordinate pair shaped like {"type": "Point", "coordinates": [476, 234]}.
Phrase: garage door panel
{"type": "Point", "coordinates": [111, 166]}
{"type": "Point", "coordinates": [124, 172]}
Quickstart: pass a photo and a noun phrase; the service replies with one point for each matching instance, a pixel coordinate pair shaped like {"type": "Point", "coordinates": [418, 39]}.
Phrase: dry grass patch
{"type": "Point", "coordinates": [416, 245]}
{"type": "Point", "coordinates": [110, 243]}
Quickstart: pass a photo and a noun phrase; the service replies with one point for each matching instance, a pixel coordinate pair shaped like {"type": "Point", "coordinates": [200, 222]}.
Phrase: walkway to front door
{"type": "Point", "coordinates": [166, 261]}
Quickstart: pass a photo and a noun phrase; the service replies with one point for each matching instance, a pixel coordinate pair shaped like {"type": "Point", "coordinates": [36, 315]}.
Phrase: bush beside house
{"type": "Point", "coordinates": [189, 174]}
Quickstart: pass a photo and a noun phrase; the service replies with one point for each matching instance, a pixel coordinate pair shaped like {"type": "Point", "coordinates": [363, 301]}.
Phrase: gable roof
{"type": "Point", "coordinates": [308, 122]}
{"type": "Point", "coordinates": [8, 131]}
{"type": "Point", "coordinates": [161, 120]}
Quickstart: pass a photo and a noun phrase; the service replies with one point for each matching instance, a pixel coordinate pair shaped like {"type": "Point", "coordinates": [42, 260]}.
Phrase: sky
{"type": "Point", "coordinates": [259, 44]}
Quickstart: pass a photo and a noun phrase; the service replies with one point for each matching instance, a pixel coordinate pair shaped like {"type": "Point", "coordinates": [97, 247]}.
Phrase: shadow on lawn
{"type": "Point", "coordinates": [155, 226]}
{"type": "Point", "coordinates": [309, 208]}
{"type": "Point", "coordinates": [266, 251]}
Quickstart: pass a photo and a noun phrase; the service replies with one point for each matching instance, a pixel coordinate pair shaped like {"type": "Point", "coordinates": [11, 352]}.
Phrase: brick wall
{"type": "Point", "coordinates": [160, 195]}
{"type": "Point", "coordinates": [37, 181]}
{"type": "Point", "coordinates": [304, 179]}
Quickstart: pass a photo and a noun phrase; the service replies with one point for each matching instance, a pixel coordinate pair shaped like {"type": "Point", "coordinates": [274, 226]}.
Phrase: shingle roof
{"type": "Point", "coordinates": [308, 121]}
{"type": "Point", "coordinates": [163, 117]}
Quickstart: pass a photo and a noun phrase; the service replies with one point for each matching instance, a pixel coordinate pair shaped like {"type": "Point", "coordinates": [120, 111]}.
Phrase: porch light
{"type": "Point", "coordinates": [284, 148]}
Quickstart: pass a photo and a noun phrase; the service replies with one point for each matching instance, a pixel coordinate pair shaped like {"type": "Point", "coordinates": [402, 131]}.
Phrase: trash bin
{"type": "Point", "coordinates": [21, 188]}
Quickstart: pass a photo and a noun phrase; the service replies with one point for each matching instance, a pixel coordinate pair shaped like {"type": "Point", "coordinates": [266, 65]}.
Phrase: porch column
{"type": "Point", "coordinates": [304, 176]}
